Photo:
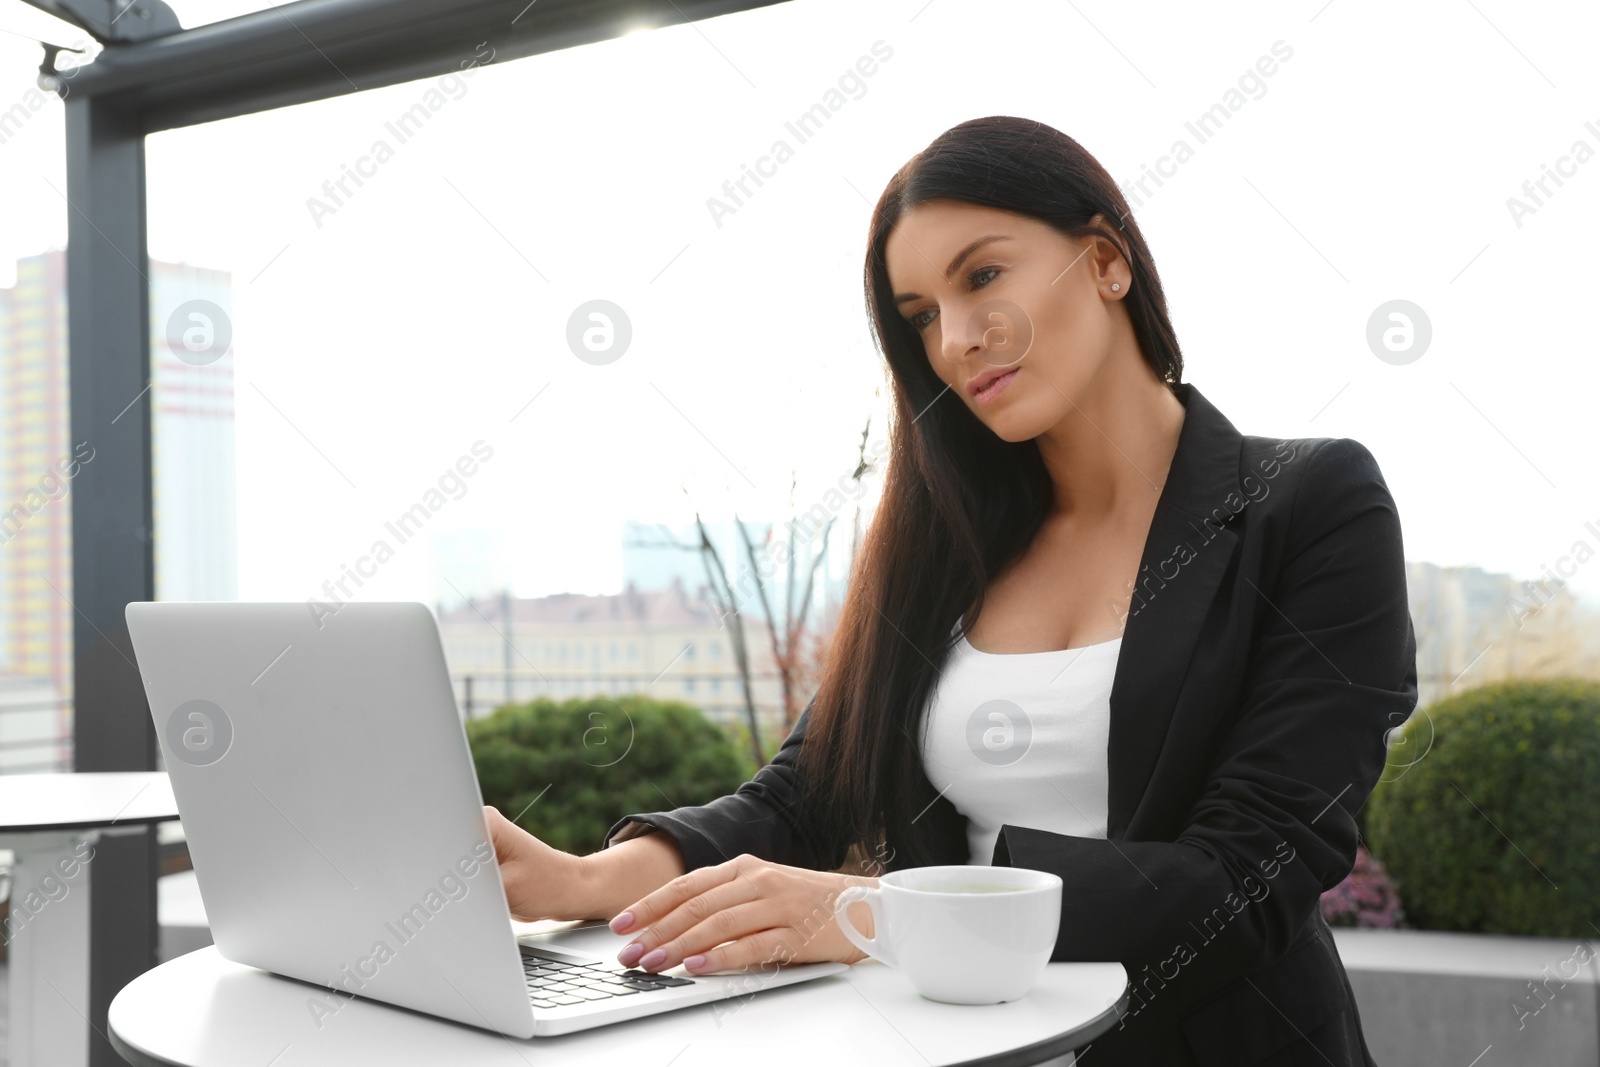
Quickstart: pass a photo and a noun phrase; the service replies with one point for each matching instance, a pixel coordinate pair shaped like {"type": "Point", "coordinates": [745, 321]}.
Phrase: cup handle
{"type": "Point", "coordinates": [872, 946]}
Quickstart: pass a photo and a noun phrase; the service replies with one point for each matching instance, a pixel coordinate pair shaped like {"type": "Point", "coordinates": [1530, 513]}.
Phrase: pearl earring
{"type": "Point", "coordinates": [1115, 286]}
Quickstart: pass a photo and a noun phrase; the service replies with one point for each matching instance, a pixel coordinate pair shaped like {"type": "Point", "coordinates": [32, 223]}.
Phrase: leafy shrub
{"type": "Point", "coordinates": [1367, 897]}
{"type": "Point", "coordinates": [1491, 820]}
{"type": "Point", "coordinates": [566, 772]}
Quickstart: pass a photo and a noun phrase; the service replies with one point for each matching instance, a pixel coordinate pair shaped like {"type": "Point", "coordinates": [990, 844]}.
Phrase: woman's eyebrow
{"type": "Point", "coordinates": [961, 256]}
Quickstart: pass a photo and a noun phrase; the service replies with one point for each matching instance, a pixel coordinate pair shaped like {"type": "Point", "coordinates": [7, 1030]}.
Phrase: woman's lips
{"type": "Point", "coordinates": [987, 394]}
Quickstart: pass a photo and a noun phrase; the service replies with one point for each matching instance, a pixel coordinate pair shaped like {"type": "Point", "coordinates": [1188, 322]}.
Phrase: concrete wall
{"type": "Point", "coordinates": [1454, 1000]}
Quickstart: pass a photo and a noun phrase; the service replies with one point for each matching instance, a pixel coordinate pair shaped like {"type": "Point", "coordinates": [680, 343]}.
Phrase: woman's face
{"type": "Point", "coordinates": [1007, 299]}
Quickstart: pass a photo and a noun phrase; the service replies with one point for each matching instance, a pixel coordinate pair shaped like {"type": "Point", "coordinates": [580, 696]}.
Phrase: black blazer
{"type": "Point", "coordinates": [1267, 650]}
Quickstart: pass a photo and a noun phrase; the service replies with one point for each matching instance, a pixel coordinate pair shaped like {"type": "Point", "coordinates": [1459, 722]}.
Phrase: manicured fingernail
{"type": "Point", "coordinates": [653, 958]}
{"type": "Point", "coordinates": [622, 922]}
{"type": "Point", "coordinates": [694, 963]}
{"type": "Point", "coordinates": [630, 954]}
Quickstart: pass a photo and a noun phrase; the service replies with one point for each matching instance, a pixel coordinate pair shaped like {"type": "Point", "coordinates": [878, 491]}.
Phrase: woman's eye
{"type": "Point", "coordinates": [918, 322]}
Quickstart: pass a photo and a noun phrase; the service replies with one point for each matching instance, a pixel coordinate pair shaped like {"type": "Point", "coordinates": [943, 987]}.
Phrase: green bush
{"type": "Point", "coordinates": [598, 759]}
{"type": "Point", "coordinates": [1488, 814]}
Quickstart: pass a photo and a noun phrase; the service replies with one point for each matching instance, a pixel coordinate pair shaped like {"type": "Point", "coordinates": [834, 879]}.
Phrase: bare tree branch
{"type": "Point", "coordinates": [717, 578]}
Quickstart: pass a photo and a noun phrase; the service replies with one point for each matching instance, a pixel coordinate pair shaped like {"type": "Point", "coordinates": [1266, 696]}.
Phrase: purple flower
{"type": "Point", "coordinates": [1367, 897]}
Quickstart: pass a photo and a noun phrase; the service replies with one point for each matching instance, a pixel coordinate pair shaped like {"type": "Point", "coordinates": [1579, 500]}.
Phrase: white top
{"type": "Point", "coordinates": [1021, 738]}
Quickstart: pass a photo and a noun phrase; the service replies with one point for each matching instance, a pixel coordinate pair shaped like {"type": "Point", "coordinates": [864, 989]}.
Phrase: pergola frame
{"type": "Point", "coordinates": [293, 54]}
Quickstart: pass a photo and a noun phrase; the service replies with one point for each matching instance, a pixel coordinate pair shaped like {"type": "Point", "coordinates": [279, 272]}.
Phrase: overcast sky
{"type": "Point", "coordinates": [377, 342]}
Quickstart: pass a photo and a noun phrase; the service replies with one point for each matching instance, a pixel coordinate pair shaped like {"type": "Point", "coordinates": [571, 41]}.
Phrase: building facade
{"type": "Point", "coordinates": [192, 444]}
{"type": "Point", "coordinates": [665, 643]}
{"type": "Point", "coordinates": [1475, 626]}
{"type": "Point", "coordinates": [191, 438]}
{"type": "Point", "coordinates": [37, 465]}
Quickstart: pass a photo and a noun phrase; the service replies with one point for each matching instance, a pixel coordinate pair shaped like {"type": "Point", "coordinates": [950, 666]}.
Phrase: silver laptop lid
{"type": "Point", "coordinates": [330, 803]}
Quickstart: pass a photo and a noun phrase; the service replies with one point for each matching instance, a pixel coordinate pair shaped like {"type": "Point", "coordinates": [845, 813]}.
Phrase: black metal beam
{"type": "Point", "coordinates": [114, 20]}
{"type": "Point", "coordinates": [316, 49]}
{"type": "Point", "coordinates": [112, 554]}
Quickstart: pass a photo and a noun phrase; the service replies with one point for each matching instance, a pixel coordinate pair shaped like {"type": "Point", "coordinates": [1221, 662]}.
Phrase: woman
{"type": "Point", "coordinates": [1094, 631]}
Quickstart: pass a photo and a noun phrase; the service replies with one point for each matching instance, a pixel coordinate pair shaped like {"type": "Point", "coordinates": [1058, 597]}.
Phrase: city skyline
{"type": "Point", "coordinates": [191, 409]}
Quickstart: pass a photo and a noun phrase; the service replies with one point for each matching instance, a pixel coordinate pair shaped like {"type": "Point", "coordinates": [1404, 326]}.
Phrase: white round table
{"type": "Point", "coordinates": [200, 1010]}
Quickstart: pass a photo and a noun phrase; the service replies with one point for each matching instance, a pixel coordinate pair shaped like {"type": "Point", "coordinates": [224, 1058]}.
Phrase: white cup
{"type": "Point", "coordinates": [962, 934]}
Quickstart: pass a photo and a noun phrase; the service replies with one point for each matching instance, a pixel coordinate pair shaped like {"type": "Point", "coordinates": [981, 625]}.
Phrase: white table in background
{"type": "Point", "coordinates": [200, 1010]}
{"type": "Point", "coordinates": [44, 820]}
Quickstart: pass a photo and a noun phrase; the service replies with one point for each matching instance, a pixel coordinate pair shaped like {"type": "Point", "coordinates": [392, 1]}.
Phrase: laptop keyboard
{"type": "Point", "coordinates": [556, 978]}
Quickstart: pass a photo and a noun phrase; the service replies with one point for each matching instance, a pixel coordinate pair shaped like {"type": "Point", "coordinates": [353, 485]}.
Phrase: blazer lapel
{"type": "Point", "coordinates": [1186, 553]}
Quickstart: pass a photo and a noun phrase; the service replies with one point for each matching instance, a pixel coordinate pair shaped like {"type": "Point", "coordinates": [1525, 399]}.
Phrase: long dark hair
{"type": "Point", "coordinates": [959, 502]}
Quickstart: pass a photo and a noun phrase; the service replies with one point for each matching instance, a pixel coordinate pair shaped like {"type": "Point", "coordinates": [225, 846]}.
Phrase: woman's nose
{"type": "Point", "coordinates": [998, 332]}
{"type": "Point", "coordinates": [960, 336]}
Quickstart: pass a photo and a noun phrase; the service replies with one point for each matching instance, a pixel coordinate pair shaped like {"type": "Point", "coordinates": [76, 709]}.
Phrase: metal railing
{"type": "Point", "coordinates": [481, 692]}
{"type": "Point", "coordinates": [478, 693]}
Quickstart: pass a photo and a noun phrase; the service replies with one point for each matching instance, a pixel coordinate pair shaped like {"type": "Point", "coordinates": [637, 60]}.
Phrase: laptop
{"type": "Point", "coordinates": [334, 820]}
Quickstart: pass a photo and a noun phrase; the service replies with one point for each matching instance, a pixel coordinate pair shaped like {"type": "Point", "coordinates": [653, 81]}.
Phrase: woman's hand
{"type": "Point", "coordinates": [541, 881]}
{"type": "Point", "coordinates": [744, 912]}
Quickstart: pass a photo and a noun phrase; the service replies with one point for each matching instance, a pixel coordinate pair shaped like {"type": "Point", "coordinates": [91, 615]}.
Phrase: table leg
{"type": "Point", "coordinates": [47, 941]}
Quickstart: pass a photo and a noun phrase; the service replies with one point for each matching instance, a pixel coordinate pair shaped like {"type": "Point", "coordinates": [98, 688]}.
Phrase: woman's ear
{"type": "Point", "coordinates": [1099, 219]}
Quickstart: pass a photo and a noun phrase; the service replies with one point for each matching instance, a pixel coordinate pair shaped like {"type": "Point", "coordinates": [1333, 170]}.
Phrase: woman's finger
{"type": "Point", "coordinates": [502, 832]}
{"type": "Point", "coordinates": [649, 909]}
{"type": "Point", "coordinates": [687, 915]}
{"type": "Point", "coordinates": [730, 910]}
{"type": "Point", "coordinates": [762, 949]}
{"type": "Point", "coordinates": [730, 924]}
